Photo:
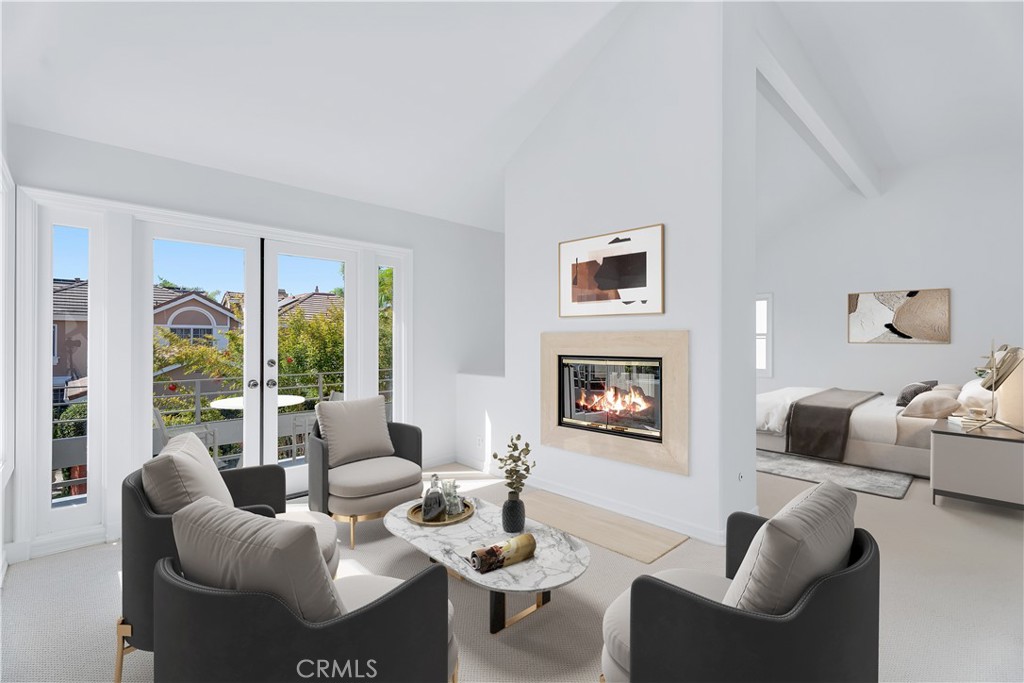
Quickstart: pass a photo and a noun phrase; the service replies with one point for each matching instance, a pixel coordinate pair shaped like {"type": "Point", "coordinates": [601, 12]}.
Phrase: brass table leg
{"type": "Point", "coordinates": [498, 602]}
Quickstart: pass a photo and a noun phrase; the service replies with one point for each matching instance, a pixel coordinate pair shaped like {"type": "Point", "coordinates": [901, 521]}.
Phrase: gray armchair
{"type": "Point", "coordinates": [365, 489]}
{"type": "Point", "coordinates": [679, 630]}
{"type": "Point", "coordinates": [146, 536]}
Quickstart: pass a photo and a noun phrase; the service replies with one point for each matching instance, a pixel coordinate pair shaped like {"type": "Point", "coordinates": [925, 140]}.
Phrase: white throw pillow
{"type": "Point", "coordinates": [932, 405]}
{"type": "Point", "coordinates": [808, 538]}
{"type": "Point", "coordinates": [183, 473]}
{"type": "Point", "coordinates": [974, 395]}
{"type": "Point", "coordinates": [354, 430]}
{"type": "Point", "coordinates": [948, 387]}
{"type": "Point", "coordinates": [224, 547]}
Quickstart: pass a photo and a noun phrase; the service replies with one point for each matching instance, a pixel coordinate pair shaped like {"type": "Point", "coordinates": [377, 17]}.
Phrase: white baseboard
{"type": "Point", "coordinates": [68, 540]}
{"type": "Point", "coordinates": [17, 552]}
{"type": "Point", "coordinates": [713, 536]}
{"type": "Point", "coordinates": [3, 572]}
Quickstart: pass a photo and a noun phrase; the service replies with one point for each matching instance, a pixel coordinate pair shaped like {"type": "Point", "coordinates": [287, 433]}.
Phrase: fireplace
{"type": "Point", "coordinates": [616, 395]}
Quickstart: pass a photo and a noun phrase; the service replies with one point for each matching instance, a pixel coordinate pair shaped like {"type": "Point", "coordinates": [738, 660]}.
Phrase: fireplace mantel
{"type": "Point", "coordinates": [672, 347]}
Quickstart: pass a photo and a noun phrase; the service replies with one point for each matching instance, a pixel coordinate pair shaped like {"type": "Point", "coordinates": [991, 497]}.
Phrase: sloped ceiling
{"type": "Point", "coordinates": [419, 106]}
{"type": "Point", "coordinates": [415, 106]}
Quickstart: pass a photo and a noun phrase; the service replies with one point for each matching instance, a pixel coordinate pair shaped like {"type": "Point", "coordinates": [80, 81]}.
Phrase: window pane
{"type": "Point", "coordinates": [761, 349]}
{"type": "Point", "coordinates": [385, 332]}
{"type": "Point", "coordinates": [310, 347]}
{"type": "Point", "coordinates": [198, 344]}
{"type": "Point", "coordinates": [761, 316]}
{"type": "Point", "coordinates": [70, 388]}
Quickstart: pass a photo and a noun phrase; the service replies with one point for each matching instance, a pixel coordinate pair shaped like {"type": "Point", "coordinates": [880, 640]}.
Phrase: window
{"type": "Point", "coordinates": [763, 335]}
{"type": "Point", "coordinates": [53, 345]}
{"type": "Point", "coordinates": [197, 335]}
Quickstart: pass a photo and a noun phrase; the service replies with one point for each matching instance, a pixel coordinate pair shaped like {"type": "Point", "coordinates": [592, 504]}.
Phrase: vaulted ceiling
{"type": "Point", "coordinates": [419, 106]}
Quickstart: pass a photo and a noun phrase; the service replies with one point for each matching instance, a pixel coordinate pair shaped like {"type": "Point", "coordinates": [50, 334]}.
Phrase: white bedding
{"type": "Point", "coordinates": [878, 420]}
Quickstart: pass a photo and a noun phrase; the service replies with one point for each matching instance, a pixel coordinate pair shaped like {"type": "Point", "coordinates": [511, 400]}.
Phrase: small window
{"type": "Point", "coordinates": [763, 335]}
{"type": "Point", "coordinates": [196, 335]}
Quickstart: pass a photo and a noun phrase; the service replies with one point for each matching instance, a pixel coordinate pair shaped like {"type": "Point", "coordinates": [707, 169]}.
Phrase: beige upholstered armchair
{"type": "Point", "coordinates": [361, 465]}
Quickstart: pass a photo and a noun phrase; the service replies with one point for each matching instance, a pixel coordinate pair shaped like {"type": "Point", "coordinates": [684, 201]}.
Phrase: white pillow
{"type": "Point", "coordinates": [955, 388]}
{"type": "Point", "coordinates": [807, 539]}
{"type": "Point", "coordinates": [973, 395]}
{"type": "Point", "coordinates": [183, 473]}
{"type": "Point", "coordinates": [224, 547]}
{"type": "Point", "coordinates": [354, 430]}
{"type": "Point", "coordinates": [931, 405]}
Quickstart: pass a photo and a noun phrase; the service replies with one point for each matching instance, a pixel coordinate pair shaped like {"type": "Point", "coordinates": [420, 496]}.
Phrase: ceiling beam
{"type": "Point", "coordinates": [785, 68]}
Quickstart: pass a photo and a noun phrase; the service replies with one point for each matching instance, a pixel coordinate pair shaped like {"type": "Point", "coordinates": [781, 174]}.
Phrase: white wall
{"type": "Point", "coordinates": [620, 151]}
{"type": "Point", "coordinates": [955, 224]}
{"type": "Point", "coordinates": [457, 302]}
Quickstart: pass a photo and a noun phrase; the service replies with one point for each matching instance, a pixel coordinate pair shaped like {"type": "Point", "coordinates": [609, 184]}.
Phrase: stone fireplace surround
{"type": "Point", "coordinates": [672, 346]}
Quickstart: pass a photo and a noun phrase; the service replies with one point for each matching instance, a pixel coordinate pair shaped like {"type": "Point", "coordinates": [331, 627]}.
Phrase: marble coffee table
{"type": "Point", "coordinates": [558, 560]}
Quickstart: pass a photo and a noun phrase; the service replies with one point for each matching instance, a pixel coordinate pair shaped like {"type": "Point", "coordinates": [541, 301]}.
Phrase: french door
{"type": "Point", "coordinates": [248, 335]}
{"type": "Point", "coordinates": [135, 324]}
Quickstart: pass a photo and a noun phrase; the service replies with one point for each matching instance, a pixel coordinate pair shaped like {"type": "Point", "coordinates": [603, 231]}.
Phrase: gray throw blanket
{"type": "Point", "coordinates": [819, 424]}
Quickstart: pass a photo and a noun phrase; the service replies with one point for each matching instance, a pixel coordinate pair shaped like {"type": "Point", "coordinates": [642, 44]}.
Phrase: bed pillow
{"type": "Point", "coordinates": [974, 395]}
{"type": "Point", "coordinates": [932, 404]}
{"type": "Point", "coordinates": [948, 387]}
{"type": "Point", "coordinates": [908, 392]}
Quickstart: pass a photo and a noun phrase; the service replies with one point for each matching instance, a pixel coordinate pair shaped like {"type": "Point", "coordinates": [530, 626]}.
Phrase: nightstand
{"type": "Point", "coordinates": [986, 465]}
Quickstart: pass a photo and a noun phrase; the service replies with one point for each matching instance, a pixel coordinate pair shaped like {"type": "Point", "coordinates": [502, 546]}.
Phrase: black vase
{"type": "Point", "coordinates": [513, 514]}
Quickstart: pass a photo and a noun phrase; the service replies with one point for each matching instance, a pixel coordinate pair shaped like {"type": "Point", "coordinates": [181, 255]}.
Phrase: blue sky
{"type": "Point", "coordinates": [190, 264]}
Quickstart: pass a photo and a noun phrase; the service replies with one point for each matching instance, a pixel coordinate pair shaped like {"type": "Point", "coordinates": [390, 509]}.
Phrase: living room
{"type": "Point", "coordinates": [443, 162]}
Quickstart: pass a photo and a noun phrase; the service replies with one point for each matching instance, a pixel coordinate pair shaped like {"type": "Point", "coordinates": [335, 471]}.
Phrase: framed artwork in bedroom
{"type": "Point", "coordinates": [618, 273]}
{"type": "Point", "coordinates": [914, 316]}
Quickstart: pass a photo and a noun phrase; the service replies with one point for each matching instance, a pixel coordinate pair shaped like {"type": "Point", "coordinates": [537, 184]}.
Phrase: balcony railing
{"type": "Point", "coordinates": [184, 406]}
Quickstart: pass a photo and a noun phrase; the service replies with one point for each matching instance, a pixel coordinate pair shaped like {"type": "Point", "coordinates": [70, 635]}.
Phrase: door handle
{"type": "Point", "coordinates": [252, 384]}
{"type": "Point", "coordinates": [271, 383]}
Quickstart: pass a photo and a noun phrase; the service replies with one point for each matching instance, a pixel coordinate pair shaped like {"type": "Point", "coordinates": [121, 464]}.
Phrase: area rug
{"type": "Point", "coordinates": [606, 528]}
{"type": "Point", "coordinates": [862, 479]}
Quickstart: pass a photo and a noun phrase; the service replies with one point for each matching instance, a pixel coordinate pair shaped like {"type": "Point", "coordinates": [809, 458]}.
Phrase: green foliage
{"type": "Point", "coordinates": [514, 464]}
{"type": "Point", "coordinates": [306, 346]}
{"type": "Point", "coordinates": [65, 428]}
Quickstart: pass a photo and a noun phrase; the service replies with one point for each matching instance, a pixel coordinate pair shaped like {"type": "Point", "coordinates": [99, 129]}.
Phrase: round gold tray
{"type": "Point", "coordinates": [415, 515]}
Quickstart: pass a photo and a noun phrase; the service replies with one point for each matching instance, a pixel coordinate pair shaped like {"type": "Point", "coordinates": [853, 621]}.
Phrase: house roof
{"type": "Point", "coordinates": [71, 298]}
{"type": "Point", "coordinates": [312, 303]}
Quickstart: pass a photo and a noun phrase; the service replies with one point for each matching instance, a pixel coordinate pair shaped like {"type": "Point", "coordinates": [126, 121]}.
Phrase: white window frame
{"type": "Point", "coordinates": [767, 335]}
{"type": "Point", "coordinates": [123, 236]}
{"type": "Point", "coordinates": [8, 273]}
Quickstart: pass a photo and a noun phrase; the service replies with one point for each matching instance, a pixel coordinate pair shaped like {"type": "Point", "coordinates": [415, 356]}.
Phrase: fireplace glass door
{"type": "Point", "coordinates": [620, 396]}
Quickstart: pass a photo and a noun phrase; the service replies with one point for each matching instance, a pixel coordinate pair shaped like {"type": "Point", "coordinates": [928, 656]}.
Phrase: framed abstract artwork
{"type": "Point", "coordinates": [620, 273]}
{"type": "Point", "coordinates": [915, 316]}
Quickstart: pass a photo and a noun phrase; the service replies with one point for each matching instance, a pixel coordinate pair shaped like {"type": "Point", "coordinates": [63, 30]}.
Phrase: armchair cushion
{"type": "Point", "coordinates": [362, 589]}
{"type": "Point", "coordinates": [325, 528]}
{"type": "Point", "coordinates": [183, 473]}
{"type": "Point", "coordinates": [373, 476]}
{"type": "Point", "coordinates": [354, 430]}
{"type": "Point", "coordinates": [805, 540]}
{"type": "Point", "coordinates": [616, 617]}
{"type": "Point", "coordinates": [222, 547]}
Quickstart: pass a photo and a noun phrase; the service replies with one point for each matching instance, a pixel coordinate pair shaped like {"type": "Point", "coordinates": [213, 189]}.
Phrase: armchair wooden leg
{"type": "Point", "coordinates": [455, 674]}
{"type": "Point", "coordinates": [352, 531]}
{"type": "Point", "coordinates": [124, 630]}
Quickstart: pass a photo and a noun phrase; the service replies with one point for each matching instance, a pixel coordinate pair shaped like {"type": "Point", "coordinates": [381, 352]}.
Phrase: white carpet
{"type": "Point", "coordinates": [951, 600]}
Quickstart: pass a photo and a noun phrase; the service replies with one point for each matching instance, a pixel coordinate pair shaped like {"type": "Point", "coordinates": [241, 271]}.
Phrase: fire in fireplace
{"type": "Point", "coordinates": [616, 395]}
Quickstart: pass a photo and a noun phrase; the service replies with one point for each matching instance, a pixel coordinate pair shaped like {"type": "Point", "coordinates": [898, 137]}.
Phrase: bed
{"type": "Point", "coordinates": [879, 435]}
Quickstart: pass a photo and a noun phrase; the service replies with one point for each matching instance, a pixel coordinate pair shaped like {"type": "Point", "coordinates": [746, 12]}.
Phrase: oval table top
{"type": "Point", "coordinates": [559, 558]}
